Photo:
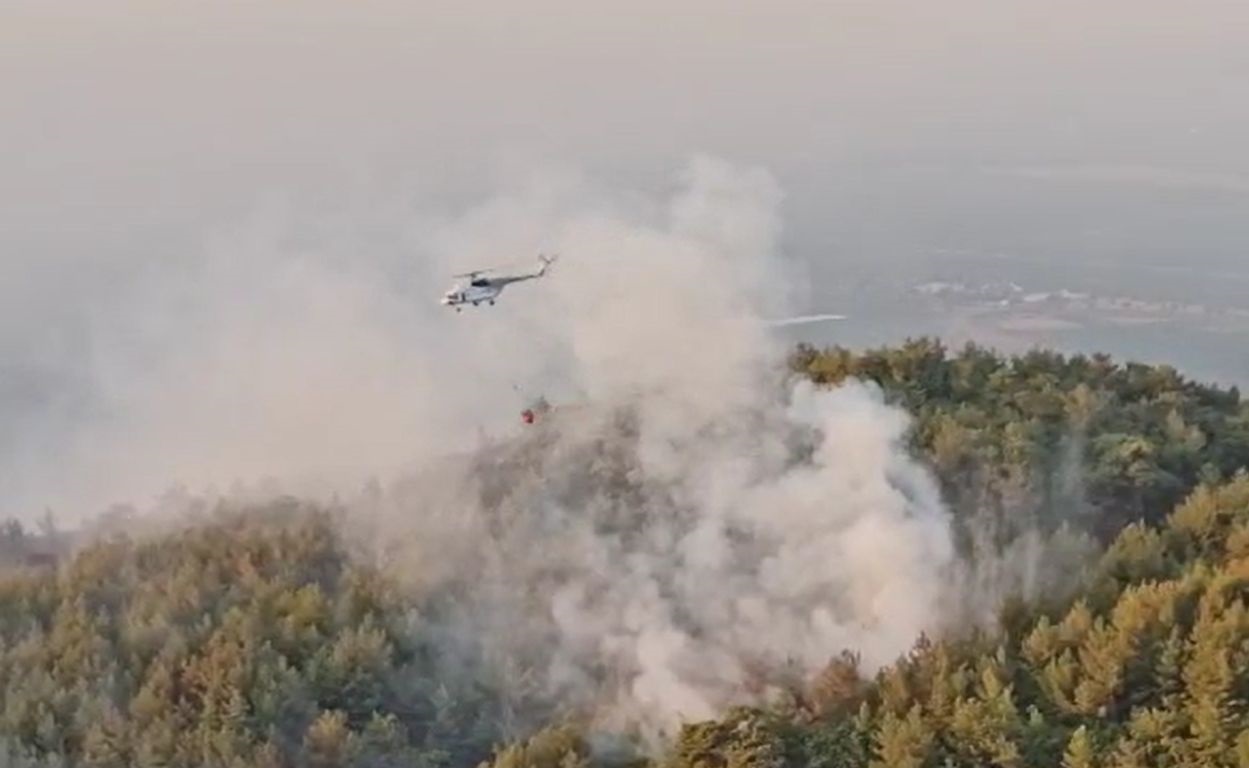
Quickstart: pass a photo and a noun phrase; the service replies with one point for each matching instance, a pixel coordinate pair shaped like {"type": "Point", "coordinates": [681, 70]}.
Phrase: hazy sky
{"type": "Point", "coordinates": [125, 119]}
{"type": "Point", "coordinates": [130, 126]}
{"type": "Point", "coordinates": [135, 135]}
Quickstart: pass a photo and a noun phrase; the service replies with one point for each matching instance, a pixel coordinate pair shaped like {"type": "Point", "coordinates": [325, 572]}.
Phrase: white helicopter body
{"type": "Point", "coordinates": [480, 289]}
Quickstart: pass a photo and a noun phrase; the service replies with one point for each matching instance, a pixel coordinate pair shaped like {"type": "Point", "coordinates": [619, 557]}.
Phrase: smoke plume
{"type": "Point", "coordinates": [689, 517]}
{"type": "Point", "coordinates": [653, 568]}
{"type": "Point", "coordinates": [685, 517]}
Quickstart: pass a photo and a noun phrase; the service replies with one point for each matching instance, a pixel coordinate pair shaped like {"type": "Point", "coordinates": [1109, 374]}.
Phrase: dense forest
{"type": "Point", "coordinates": [1044, 438]}
{"type": "Point", "coordinates": [260, 636]}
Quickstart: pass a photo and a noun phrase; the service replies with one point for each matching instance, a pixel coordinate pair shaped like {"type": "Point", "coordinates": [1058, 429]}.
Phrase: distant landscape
{"type": "Point", "coordinates": [1197, 321]}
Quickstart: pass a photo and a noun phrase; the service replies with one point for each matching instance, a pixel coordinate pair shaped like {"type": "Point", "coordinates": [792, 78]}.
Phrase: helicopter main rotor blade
{"type": "Point", "coordinates": [496, 268]}
{"type": "Point", "coordinates": [805, 319]}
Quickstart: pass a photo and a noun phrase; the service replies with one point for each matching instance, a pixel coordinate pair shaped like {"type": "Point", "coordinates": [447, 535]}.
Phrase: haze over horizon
{"type": "Point", "coordinates": [158, 156]}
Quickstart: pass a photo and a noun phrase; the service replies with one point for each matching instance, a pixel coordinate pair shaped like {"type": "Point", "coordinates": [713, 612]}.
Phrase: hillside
{"type": "Point", "coordinates": [278, 635]}
{"type": "Point", "coordinates": [1146, 668]}
{"type": "Point", "coordinates": [1043, 438]}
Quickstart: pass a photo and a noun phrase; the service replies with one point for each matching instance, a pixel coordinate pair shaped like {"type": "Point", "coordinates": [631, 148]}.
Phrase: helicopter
{"type": "Point", "coordinates": [481, 288]}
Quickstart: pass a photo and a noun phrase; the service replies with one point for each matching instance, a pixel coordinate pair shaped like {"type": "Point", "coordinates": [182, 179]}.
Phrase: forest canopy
{"type": "Point", "coordinates": [1046, 438]}
{"type": "Point", "coordinates": [262, 636]}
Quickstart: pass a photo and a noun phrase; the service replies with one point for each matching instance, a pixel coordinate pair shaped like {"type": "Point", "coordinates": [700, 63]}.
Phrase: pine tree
{"type": "Point", "coordinates": [327, 741]}
{"type": "Point", "coordinates": [904, 742]}
{"type": "Point", "coordinates": [1080, 751]}
{"type": "Point", "coordinates": [838, 688]}
{"type": "Point", "coordinates": [105, 745]}
{"type": "Point", "coordinates": [1101, 657]}
{"type": "Point", "coordinates": [745, 738]}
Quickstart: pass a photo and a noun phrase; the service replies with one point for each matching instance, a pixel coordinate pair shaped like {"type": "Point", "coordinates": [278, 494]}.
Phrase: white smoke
{"type": "Point", "coordinates": [791, 531]}
{"type": "Point", "coordinates": [695, 518]}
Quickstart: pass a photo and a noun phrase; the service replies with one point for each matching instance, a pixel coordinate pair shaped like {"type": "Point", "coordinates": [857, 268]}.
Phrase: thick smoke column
{"type": "Point", "coordinates": [685, 520]}
{"type": "Point", "coordinates": [649, 596]}
{"type": "Point", "coordinates": [695, 519]}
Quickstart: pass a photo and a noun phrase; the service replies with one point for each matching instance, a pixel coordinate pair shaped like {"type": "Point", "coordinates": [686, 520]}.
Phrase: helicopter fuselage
{"type": "Point", "coordinates": [487, 289]}
{"type": "Point", "coordinates": [472, 294]}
